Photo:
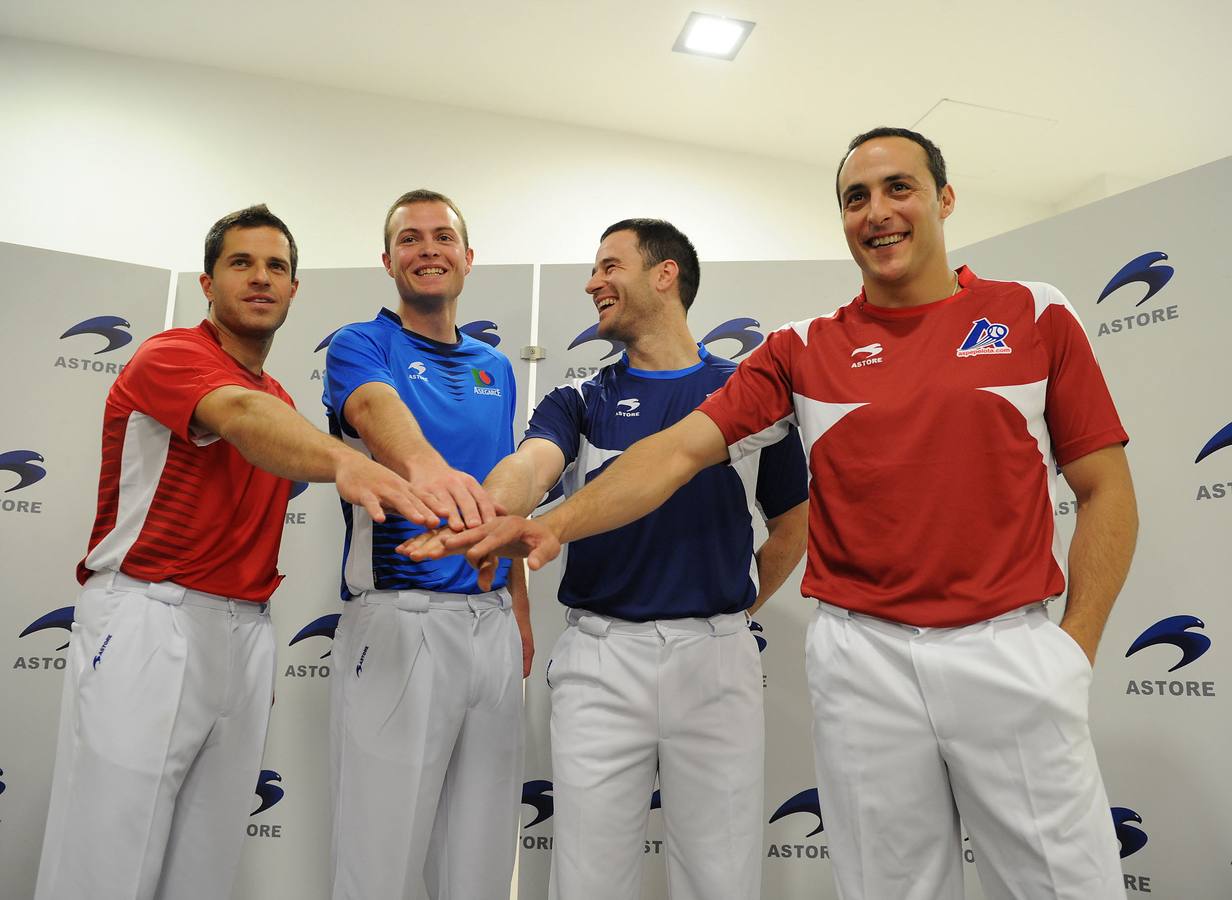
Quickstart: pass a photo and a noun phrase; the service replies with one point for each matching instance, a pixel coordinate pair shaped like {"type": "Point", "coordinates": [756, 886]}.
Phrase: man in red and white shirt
{"type": "Point", "coordinates": [171, 663]}
{"type": "Point", "coordinates": [934, 409]}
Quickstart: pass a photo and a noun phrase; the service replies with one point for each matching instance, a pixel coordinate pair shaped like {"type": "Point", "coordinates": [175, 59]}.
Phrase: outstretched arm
{"type": "Point", "coordinates": [273, 436]}
{"type": "Point", "coordinates": [644, 476]}
{"type": "Point", "coordinates": [1103, 543]}
{"type": "Point", "coordinates": [777, 557]}
{"type": "Point", "coordinates": [393, 436]}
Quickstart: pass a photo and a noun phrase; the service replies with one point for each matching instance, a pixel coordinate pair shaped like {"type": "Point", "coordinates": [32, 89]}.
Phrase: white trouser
{"type": "Point", "coordinates": [167, 697]}
{"type": "Point", "coordinates": [683, 697]}
{"type": "Point", "coordinates": [426, 745]}
{"type": "Point", "coordinates": [914, 727]}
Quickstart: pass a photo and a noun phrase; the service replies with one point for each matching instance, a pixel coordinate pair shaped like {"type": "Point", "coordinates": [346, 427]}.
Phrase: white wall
{"type": "Point", "coordinates": [133, 159]}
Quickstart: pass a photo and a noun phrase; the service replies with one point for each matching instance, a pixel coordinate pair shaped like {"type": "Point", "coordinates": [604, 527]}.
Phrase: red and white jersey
{"type": "Point", "coordinates": [175, 504]}
{"type": "Point", "coordinates": [933, 435]}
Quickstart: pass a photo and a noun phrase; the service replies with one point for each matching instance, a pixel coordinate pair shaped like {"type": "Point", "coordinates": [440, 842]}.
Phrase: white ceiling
{"type": "Point", "coordinates": [1036, 100]}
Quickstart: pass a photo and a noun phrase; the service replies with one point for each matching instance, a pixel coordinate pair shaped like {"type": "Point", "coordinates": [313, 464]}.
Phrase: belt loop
{"type": "Point", "coordinates": [596, 626]}
{"type": "Point", "coordinates": [165, 592]}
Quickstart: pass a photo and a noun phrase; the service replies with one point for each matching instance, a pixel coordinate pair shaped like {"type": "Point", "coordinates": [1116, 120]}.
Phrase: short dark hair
{"type": "Point", "coordinates": [659, 240]}
{"type": "Point", "coordinates": [257, 216]}
{"type": "Point", "coordinates": [936, 162]}
{"type": "Point", "coordinates": [423, 195]}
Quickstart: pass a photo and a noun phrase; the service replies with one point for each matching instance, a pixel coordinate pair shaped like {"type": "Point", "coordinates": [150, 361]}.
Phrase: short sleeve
{"type": "Point", "coordinates": [1078, 407]}
{"type": "Point", "coordinates": [170, 375]}
{"type": "Point", "coordinates": [559, 418]}
{"type": "Point", "coordinates": [754, 408]}
{"type": "Point", "coordinates": [782, 475]}
{"type": "Point", "coordinates": [353, 359]}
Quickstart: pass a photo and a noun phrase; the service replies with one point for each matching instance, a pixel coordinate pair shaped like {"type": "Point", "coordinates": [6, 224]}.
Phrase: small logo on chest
{"type": "Point", "coordinates": [417, 371]}
{"type": "Point", "coordinates": [628, 408]}
{"type": "Point", "coordinates": [871, 354]}
{"type": "Point", "coordinates": [985, 339]}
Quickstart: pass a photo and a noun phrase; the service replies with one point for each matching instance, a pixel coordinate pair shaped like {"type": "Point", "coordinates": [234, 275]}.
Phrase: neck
{"type": "Point", "coordinates": [435, 319]}
{"type": "Point", "coordinates": [936, 284]}
{"type": "Point", "coordinates": [663, 349]}
{"type": "Point", "coordinates": [249, 352]}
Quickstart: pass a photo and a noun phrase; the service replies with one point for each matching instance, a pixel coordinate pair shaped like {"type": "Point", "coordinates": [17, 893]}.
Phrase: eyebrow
{"type": "Point", "coordinates": [410, 229]}
{"type": "Point", "coordinates": [603, 262]}
{"type": "Point", "coordinates": [245, 254]}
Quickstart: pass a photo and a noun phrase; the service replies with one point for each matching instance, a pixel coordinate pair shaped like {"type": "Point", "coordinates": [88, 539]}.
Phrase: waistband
{"type": "Point", "coordinates": [172, 594]}
{"type": "Point", "coordinates": [600, 626]}
{"type": "Point", "coordinates": [842, 613]}
{"type": "Point", "coordinates": [423, 601]}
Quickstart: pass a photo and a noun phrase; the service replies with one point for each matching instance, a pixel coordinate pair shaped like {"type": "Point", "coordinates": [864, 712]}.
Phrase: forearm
{"type": "Point", "coordinates": [644, 476]}
{"type": "Point", "coordinates": [1099, 557]}
{"type": "Point", "coordinates": [390, 431]}
{"type": "Point", "coordinates": [273, 436]}
{"type": "Point", "coordinates": [512, 484]}
{"type": "Point", "coordinates": [782, 550]}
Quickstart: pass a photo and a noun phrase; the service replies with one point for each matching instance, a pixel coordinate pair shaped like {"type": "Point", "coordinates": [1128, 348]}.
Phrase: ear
{"type": "Point", "coordinates": [470, 260]}
{"type": "Point", "coordinates": [207, 288]}
{"type": "Point", "coordinates": [294, 289]}
{"type": "Point", "coordinates": [669, 272]}
{"type": "Point", "coordinates": [946, 199]}
{"type": "Point", "coordinates": [387, 262]}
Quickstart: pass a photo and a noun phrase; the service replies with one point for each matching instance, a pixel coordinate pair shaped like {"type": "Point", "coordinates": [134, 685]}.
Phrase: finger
{"type": "Point", "coordinates": [487, 570]}
{"type": "Point", "coordinates": [456, 541]}
{"type": "Point", "coordinates": [469, 510]}
{"type": "Point", "coordinates": [413, 509]}
{"type": "Point", "coordinates": [486, 508]}
{"type": "Point", "coordinates": [372, 507]}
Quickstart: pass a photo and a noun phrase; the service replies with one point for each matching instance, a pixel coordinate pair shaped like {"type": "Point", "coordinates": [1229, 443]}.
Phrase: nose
{"type": "Point", "coordinates": [878, 207]}
{"type": "Point", "coordinates": [259, 274]}
{"type": "Point", "coordinates": [594, 285]}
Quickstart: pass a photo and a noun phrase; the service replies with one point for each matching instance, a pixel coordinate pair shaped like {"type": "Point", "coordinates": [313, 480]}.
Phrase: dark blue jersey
{"type": "Point", "coordinates": [693, 556]}
{"type": "Point", "coordinates": [462, 395]}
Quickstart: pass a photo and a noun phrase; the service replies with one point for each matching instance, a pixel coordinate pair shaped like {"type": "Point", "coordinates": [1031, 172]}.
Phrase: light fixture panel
{"type": "Point", "coordinates": [715, 36]}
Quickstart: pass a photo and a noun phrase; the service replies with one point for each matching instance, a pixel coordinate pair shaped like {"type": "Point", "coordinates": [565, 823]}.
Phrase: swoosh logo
{"type": "Point", "coordinates": [592, 334]}
{"type": "Point", "coordinates": [741, 330]}
{"type": "Point", "coordinates": [57, 618]}
{"type": "Point", "coordinates": [109, 327]}
{"type": "Point", "coordinates": [268, 792]}
{"type": "Point", "coordinates": [1174, 631]}
{"type": "Point", "coordinates": [22, 463]}
{"type": "Point", "coordinates": [803, 802]}
{"type": "Point", "coordinates": [481, 330]}
{"type": "Point", "coordinates": [535, 794]}
{"type": "Point", "coordinates": [1222, 438]}
{"type": "Point", "coordinates": [1141, 269]}
{"type": "Point", "coordinates": [1131, 839]}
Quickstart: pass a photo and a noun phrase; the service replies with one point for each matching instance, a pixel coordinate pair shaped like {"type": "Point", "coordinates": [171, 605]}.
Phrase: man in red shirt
{"type": "Point", "coordinates": [171, 664]}
{"type": "Point", "coordinates": [935, 409]}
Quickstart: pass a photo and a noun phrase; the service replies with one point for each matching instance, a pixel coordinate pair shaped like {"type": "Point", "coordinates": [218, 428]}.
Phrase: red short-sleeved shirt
{"type": "Point", "coordinates": [933, 435]}
{"type": "Point", "coordinates": [175, 504]}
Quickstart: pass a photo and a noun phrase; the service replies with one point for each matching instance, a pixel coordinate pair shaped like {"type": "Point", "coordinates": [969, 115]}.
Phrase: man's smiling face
{"type": "Point", "coordinates": [427, 257]}
{"type": "Point", "coordinates": [892, 210]}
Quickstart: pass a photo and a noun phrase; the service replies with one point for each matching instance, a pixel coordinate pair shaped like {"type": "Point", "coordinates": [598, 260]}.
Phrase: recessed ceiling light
{"type": "Point", "coordinates": [715, 36]}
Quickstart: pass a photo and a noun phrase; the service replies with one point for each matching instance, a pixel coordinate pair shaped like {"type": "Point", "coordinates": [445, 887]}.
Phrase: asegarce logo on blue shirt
{"type": "Point", "coordinates": [537, 794]}
{"type": "Point", "coordinates": [268, 793]}
{"type": "Point", "coordinates": [806, 801]}
{"type": "Point", "coordinates": [1130, 838]}
{"type": "Point", "coordinates": [109, 327]}
{"type": "Point", "coordinates": [23, 464]}
{"type": "Point", "coordinates": [739, 329]}
{"type": "Point", "coordinates": [1174, 631]}
{"type": "Point", "coordinates": [1141, 269]}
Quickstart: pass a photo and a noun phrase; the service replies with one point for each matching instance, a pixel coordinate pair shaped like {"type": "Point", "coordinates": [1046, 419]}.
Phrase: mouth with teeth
{"type": "Point", "coordinates": [259, 298]}
{"type": "Point", "coordinates": [886, 240]}
{"type": "Point", "coordinates": [430, 271]}
{"type": "Point", "coordinates": [604, 303]}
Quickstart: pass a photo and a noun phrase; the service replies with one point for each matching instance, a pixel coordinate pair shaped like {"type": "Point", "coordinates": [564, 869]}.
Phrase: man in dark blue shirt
{"type": "Point", "coordinates": [657, 671]}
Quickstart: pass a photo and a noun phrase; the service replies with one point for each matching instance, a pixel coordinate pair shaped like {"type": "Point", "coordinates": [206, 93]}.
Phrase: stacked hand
{"type": "Point", "coordinates": [484, 545]}
{"type": "Point", "coordinates": [433, 494]}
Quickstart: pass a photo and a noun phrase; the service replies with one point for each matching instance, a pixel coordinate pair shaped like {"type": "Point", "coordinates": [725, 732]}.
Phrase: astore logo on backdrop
{"type": "Point", "coordinates": [741, 329]}
{"type": "Point", "coordinates": [1144, 270]}
{"type": "Point", "coordinates": [269, 794]}
{"type": "Point", "coordinates": [808, 804]}
{"type": "Point", "coordinates": [1132, 839]}
{"type": "Point", "coordinates": [25, 465]}
{"type": "Point", "coordinates": [61, 618]}
{"type": "Point", "coordinates": [325, 627]}
{"type": "Point", "coordinates": [1178, 634]}
{"type": "Point", "coordinates": [1218, 490]}
{"type": "Point", "coordinates": [114, 334]}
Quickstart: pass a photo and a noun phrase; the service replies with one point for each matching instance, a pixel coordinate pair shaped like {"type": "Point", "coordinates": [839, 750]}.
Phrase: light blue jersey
{"type": "Point", "coordinates": [463, 397]}
{"type": "Point", "coordinates": [693, 556]}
